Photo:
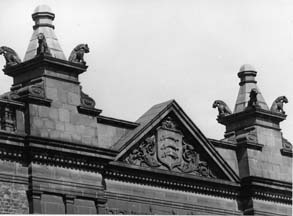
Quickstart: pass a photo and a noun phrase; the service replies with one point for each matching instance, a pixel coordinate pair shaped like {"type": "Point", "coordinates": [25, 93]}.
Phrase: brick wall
{"type": "Point", "coordinates": [13, 199]}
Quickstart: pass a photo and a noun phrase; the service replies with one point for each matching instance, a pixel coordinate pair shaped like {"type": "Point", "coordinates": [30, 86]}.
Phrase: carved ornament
{"type": "Point", "coordinates": [277, 105]}
{"type": "Point", "coordinates": [253, 98]}
{"type": "Point", "coordinates": [36, 90]}
{"type": "Point", "coordinates": [222, 108]}
{"type": "Point", "coordinates": [247, 135]}
{"type": "Point", "coordinates": [10, 56]}
{"type": "Point", "coordinates": [43, 48]}
{"type": "Point", "coordinates": [166, 148]}
{"type": "Point", "coordinates": [86, 100]}
{"type": "Point", "coordinates": [77, 54]}
{"type": "Point", "coordinates": [287, 149]}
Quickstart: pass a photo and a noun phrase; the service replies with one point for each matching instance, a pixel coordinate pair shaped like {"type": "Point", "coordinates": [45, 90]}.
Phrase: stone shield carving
{"type": "Point", "coordinates": [169, 147]}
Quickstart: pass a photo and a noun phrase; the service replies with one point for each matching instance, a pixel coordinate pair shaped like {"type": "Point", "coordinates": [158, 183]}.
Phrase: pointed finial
{"type": "Point", "coordinates": [43, 39]}
{"type": "Point", "coordinates": [247, 83]}
{"type": "Point", "coordinates": [43, 16]}
{"type": "Point", "coordinates": [247, 74]}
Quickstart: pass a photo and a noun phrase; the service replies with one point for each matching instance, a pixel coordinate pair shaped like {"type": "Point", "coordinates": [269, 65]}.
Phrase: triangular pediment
{"type": "Point", "coordinates": [168, 140]}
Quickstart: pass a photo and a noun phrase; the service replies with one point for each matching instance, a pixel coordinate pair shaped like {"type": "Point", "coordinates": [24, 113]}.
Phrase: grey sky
{"type": "Point", "coordinates": [145, 52]}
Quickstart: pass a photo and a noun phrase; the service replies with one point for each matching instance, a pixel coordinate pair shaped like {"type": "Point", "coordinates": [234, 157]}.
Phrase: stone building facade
{"type": "Point", "coordinates": [58, 154]}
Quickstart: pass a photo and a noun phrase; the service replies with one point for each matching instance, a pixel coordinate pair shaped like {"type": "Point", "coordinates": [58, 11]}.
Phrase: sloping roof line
{"type": "Point", "coordinates": [144, 121]}
{"type": "Point", "coordinates": [157, 113]}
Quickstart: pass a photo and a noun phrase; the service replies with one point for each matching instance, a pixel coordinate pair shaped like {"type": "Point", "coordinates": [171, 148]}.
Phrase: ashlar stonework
{"type": "Point", "coordinates": [59, 155]}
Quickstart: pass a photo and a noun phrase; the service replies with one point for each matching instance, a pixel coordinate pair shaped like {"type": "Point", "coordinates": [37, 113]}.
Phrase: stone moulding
{"type": "Point", "coordinates": [252, 113]}
{"type": "Point", "coordinates": [223, 144]}
{"type": "Point", "coordinates": [266, 189]}
{"type": "Point", "coordinates": [25, 148]}
{"type": "Point", "coordinates": [44, 61]}
{"type": "Point", "coordinates": [87, 105]}
{"type": "Point", "coordinates": [89, 111]}
{"type": "Point", "coordinates": [286, 148]}
{"type": "Point", "coordinates": [75, 189]}
{"type": "Point", "coordinates": [116, 122]}
{"type": "Point", "coordinates": [34, 94]}
{"type": "Point", "coordinates": [190, 209]}
{"type": "Point", "coordinates": [12, 146]}
{"type": "Point", "coordinates": [161, 178]}
{"type": "Point", "coordinates": [248, 139]}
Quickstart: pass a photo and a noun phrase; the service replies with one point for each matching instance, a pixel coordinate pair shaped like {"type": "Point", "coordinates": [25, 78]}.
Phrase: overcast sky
{"type": "Point", "coordinates": [144, 52]}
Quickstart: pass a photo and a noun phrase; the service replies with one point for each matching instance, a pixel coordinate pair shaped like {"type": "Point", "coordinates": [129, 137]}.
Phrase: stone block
{"type": "Point", "coordinates": [73, 98]}
{"type": "Point", "coordinates": [20, 121]}
{"type": "Point", "coordinates": [52, 93]}
{"type": "Point", "coordinates": [90, 131]}
{"type": "Point", "coordinates": [54, 134]}
{"type": "Point", "coordinates": [62, 96]}
{"type": "Point", "coordinates": [66, 136]}
{"type": "Point", "coordinates": [76, 137]}
{"type": "Point", "coordinates": [64, 115]}
{"type": "Point", "coordinates": [86, 140]}
{"type": "Point", "coordinates": [37, 122]}
{"type": "Point", "coordinates": [43, 111]}
{"type": "Point", "coordinates": [44, 133]}
{"type": "Point", "coordinates": [60, 126]}
{"type": "Point", "coordinates": [84, 207]}
{"type": "Point", "coordinates": [53, 114]}
{"type": "Point", "coordinates": [54, 206]}
{"type": "Point", "coordinates": [95, 142]}
{"type": "Point", "coordinates": [49, 124]}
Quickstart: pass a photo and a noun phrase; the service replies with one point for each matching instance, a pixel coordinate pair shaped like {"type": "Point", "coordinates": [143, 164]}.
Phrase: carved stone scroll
{"type": "Point", "coordinates": [165, 148]}
{"type": "Point", "coordinates": [86, 100]}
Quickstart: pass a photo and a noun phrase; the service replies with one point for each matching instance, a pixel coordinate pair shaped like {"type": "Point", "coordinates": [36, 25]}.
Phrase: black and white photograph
{"type": "Point", "coordinates": [146, 107]}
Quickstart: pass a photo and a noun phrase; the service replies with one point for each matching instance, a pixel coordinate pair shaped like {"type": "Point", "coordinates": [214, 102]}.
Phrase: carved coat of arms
{"type": "Point", "coordinates": [165, 147]}
{"type": "Point", "coordinates": [169, 147]}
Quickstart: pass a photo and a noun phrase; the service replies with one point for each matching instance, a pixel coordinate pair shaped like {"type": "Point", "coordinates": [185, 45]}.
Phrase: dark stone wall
{"type": "Point", "coordinates": [108, 135]}
{"type": "Point", "coordinates": [52, 204]}
{"type": "Point", "coordinates": [128, 198]}
{"type": "Point", "coordinates": [13, 188]}
{"type": "Point", "coordinates": [61, 120]}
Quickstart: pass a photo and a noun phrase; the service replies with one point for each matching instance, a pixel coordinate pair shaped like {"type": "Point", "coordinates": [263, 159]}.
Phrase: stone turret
{"type": "Point", "coordinates": [262, 152]}
{"type": "Point", "coordinates": [48, 84]}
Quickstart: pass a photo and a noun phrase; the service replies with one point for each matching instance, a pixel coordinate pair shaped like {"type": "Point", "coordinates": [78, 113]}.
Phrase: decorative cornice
{"type": "Point", "coordinates": [44, 61]}
{"type": "Point", "coordinates": [87, 105]}
{"type": "Point", "coordinates": [286, 148]}
{"type": "Point", "coordinates": [223, 144]}
{"type": "Point", "coordinates": [252, 113]}
{"type": "Point", "coordinates": [71, 147]}
{"type": "Point", "coordinates": [66, 188]}
{"type": "Point", "coordinates": [16, 179]}
{"type": "Point", "coordinates": [117, 122]}
{"type": "Point", "coordinates": [89, 111]}
{"type": "Point", "coordinates": [189, 208]}
{"type": "Point", "coordinates": [12, 103]}
{"type": "Point", "coordinates": [266, 189]}
{"type": "Point", "coordinates": [175, 181]}
{"type": "Point", "coordinates": [286, 152]}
